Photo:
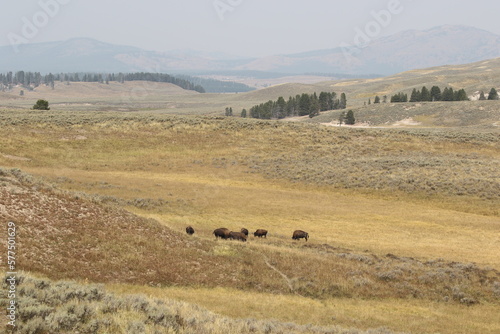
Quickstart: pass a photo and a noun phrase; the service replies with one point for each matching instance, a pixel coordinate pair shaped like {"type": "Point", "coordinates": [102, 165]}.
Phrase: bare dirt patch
{"type": "Point", "coordinates": [406, 122]}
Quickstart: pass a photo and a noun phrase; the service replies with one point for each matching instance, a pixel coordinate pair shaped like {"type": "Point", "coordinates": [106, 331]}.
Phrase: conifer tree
{"type": "Point", "coordinates": [324, 101]}
{"type": "Point", "coordinates": [304, 105]}
{"type": "Point", "coordinates": [280, 108]}
{"type": "Point", "coordinates": [415, 96]}
{"type": "Point", "coordinates": [436, 93]}
{"type": "Point", "coordinates": [314, 106]}
{"type": "Point", "coordinates": [349, 118]}
{"type": "Point", "coordinates": [493, 94]}
{"type": "Point", "coordinates": [343, 101]}
{"type": "Point", "coordinates": [461, 95]}
{"type": "Point", "coordinates": [448, 94]}
{"type": "Point", "coordinates": [425, 95]}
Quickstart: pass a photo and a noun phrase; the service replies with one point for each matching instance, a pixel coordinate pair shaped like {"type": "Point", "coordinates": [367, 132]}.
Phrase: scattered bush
{"type": "Point", "coordinates": [41, 105]}
{"type": "Point", "coordinates": [91, 316]}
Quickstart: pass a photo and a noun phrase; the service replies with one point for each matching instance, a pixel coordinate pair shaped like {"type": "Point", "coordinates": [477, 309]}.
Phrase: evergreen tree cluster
{"type": "Point", "coordinates": [378, 100]}
{"type": "Point", "coordinates": [160, 77]}
{"type": "Point", "coordinates": [434, 94]}
{"type": "Point", "coordinates": [399, 97]}
{"type": "Point", "coordinates": [31, 80]}
{"type": "Point", "coordinates": [493, 95]}
{"type": "Point", "coordinates": [300, 105]}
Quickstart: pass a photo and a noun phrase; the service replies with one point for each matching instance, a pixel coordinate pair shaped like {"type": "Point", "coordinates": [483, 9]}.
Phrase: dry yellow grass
{"type": "Point", "coordinates": [203, 175]}
{"type": "Point", "coordinates": [207, 200]}
{"type": "Point", "coordinates": [398, 315]}
{"type": "Point", "coordinates": [200, 172]}
{"type": "Point", "coordinates": [161, 96]}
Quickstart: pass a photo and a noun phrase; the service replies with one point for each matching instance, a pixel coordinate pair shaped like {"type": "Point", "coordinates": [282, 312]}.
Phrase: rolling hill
{"type": "Point", "coordinates": [473, 77]}
{"type": "Point", "coordinates": [402, 212]}
{"type": "Point", "coordinates": [167, 98]}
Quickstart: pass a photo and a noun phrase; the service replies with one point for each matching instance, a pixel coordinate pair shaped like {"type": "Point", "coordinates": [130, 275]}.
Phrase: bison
{"type": "Point", "coordinates": [189, 230]}
{"type": "Point", "coordinates": [260, 233]}
{"type": "Point", "coordinates": [222, 233]}
{"type": "Point", "coordinates": [237, 236]}
{"type": "Point", "coordinates": [244, 231]}
{"type": "Point", "coordinates": [298, 234]}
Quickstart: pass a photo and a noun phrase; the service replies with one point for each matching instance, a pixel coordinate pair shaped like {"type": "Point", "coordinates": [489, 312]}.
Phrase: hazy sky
{"type": "Point", "coordinates": [238, 27]}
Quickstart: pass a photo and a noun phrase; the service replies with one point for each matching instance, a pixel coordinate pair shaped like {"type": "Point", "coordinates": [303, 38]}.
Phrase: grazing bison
{"type": "Point", "coordinates": [189, 230]}
{"type": "Point", "coordinates": [244, 231]}
{"type": "Point", "coordinates": [237, 236]}
{"type": "Point", "coordinates": [260, 233]}
{"type": "Point", "coordinates": [222, 233]}
{"type": "Point", "coordinates": [298, 234]}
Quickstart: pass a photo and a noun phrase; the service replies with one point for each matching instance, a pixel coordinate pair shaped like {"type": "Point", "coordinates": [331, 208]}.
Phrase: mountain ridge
{"type": "Point", "coordinates": [403, 51]}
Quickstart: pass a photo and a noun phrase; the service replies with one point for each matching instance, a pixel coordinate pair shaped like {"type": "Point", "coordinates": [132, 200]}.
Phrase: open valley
{"type": "Point", "coordinates": [403, 222]}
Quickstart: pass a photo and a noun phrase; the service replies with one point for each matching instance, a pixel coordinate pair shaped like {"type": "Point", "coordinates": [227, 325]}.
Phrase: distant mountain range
{"type": "Point", "coordinates": [413, 49]}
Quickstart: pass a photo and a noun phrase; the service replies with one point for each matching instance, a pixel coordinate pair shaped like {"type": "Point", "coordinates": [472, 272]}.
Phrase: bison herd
{"type": "Point", "coordinates": [224, 233]}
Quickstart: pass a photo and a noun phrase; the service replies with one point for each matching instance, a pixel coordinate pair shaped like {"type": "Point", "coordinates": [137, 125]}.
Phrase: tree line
{"type": "Point", "coordinates": [434, 94]}
{"type": "Point", "coordinates": [300, 105]}
{"type": "Point", "coordinates": [493, 95]}
{"type": "Point", "coordinates": [31, 80]}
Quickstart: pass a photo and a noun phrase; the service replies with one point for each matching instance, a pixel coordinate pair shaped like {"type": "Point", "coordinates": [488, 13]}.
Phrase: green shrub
{"type": "Point", "coordinates": [41, 105]}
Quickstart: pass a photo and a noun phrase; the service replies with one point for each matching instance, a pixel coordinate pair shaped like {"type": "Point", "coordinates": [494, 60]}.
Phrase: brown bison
{"type": "Point", "coordinates": [189, 230]}
{"type": "Point", "coordinates": [298, 234]}
{"type": "Point", "coordinates": [244, 231]}
{"type": "Point", "coordinates": [222, 233]}
{"type": "Point", "coordinates": [260, 233]}
{"type": "Point", "coordinates": [237, 236]}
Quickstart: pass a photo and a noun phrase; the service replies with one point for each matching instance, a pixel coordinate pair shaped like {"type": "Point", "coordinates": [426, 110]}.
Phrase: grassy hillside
{"type": "Point", "coordinates": [152, 96]}
{"type": "Point", "coordinates": [135, 95]}
{"type": "Point", "coordinates": [109, 245]}
{"type": "Point", "coordinates": [475, 115]}
{"type": "Point", "coordinates": [472, 77]}
{"type": "Point", "coordinates": [402, 220]}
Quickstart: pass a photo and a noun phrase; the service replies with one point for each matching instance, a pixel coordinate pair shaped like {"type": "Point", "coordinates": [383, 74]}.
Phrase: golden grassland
{"type": "Point", "coordinates": [408, 316]}
{"type": "Point", "coordinates": [123, 308]}
{"type": "Point", "coordinates": [414, 256]}
{"type": "Point", "coordinates": [69, 307]}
